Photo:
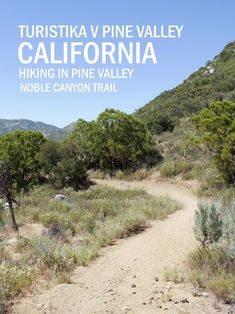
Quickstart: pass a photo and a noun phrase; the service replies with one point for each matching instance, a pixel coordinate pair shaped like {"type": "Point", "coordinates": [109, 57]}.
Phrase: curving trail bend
{"type": "Point", "coordinates": [128, 277]}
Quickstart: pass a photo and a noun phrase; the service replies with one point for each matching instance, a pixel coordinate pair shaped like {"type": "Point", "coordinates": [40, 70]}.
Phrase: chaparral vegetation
{"type": "Point", "coordinates": [53, 215]}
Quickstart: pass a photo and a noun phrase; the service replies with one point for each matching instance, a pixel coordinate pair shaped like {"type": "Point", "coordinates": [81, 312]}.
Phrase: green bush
{"type": "Point", "coordinates": [213, 265]}
{"type": "Point", "coordinates": [63, 166]}
{"type": "Point", "coordinates": [212, 181]}
{"type": "Point", "coordinates": [217, 128]}
{"type": "Point", "coordinates": [115, 141]}
{"type": "Point", "coordinates": [208, 223]}
{"type": "Point", "coordinates": [168, 169]}
{"type": "Point", "coordinates": [196, 92]}
{"type": "Point", "coordinates": [161, 122]}
{"type": "Point", "coordinates": [20, 151]}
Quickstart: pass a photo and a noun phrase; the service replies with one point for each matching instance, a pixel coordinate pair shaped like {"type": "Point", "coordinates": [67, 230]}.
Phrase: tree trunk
{"type": "Point", "coordinates": [14, 224]}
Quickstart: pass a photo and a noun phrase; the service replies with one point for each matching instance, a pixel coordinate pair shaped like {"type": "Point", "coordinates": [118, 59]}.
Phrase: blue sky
{"type": "Point", "coordinates": [208, 26]}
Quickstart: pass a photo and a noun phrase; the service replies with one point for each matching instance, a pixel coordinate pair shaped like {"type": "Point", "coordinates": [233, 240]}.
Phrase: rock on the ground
{"type": "Point", "coordinates": [59, 197]}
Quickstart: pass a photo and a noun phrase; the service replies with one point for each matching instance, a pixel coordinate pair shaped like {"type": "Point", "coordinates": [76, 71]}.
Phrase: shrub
{"type": "Point", "coordinates": [212, 181]}
{"type": "Point", "coordinates": [212, 259]}
{"type": "Point", "coordinates": [115, 141]}
{"type": "Point", "coordinates": [79, 226]}
{"type": "Point", "coordinates": [172, 168]}
{"type": "Point", "coordinates": [216, 125]}
{"type": "Point", "coordinates": [224, 287]}
{"type": "Point", "coordinates": [173, 275]}
{"type": "Point", "coordinates": [213, 268]}
{"type": "Point", "coordinates": [168, 169]}
{"type": "Point", "coordinates": [50, 254]}
{"type": "Point", "coordinates": [13, 280]}
{"type": "Point", "coordinates": [228, 218]}
{"type": "Point", "coordinates": [161, 122]}
{"type": "Point", "coordinates": [213, 265]}
{"type": "Point", "coordinates": [63, 166]}
{"type": "Point", "coordinates": [208, 224]}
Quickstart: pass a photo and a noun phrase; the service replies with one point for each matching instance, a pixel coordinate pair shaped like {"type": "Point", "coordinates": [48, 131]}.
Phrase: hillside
{"type": "Point", "coordinates": [214, 81]}
{"type": "Point", "coordinates": [49, 131]}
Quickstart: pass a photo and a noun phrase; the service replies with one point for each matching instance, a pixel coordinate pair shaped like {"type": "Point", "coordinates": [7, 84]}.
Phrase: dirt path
{"type": "Point", "coordinates": [128, 277]}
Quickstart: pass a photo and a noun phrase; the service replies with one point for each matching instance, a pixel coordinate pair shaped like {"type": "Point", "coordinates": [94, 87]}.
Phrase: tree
{"type": "Point", "coordinates": [114, 141]}
{"type": "Point", "coordinates": [49, 156]}
{"type": "Point", "coordinates": [20, 151]}
{"type": "Point", "coordinates": [6, 190]}
{"type": "Point", "coordinates": [71, 171]}
{"type": "Point", "coordinates": [217, 127]}
{"type": "Point", "coordinates": [62, 164]}
{"type": "Point", "coordinates": [86, 135]}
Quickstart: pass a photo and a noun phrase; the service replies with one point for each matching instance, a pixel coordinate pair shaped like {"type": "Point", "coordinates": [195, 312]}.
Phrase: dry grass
{"type": "Point", "coordinates": [212, 266]}
{"type": "Point", "coordinates": [173, 275]}
{"type": "Point", "coordinates": [76, 229]}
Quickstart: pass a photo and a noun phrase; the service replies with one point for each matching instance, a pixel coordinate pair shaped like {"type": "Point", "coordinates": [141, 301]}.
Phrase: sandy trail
{"type": "Point", "coordinates": [128, 277]}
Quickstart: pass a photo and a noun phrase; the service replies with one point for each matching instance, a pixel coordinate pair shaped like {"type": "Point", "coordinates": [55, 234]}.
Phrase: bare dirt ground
{"type": "Point", "coordinates": [129, 276]}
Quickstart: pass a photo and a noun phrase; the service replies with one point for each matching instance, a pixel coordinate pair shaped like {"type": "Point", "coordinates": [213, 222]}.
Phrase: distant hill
{"type": "Point", "coordinates": [61, 133]}
{"type": "Point", "coordinates": [49, 131]}
{"type": "Point", "coordinates": [214, 81]}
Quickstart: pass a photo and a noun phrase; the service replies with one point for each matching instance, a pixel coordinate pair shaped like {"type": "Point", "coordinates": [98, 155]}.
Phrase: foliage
{"type": "Point", "coordinates": [161, 122]}
{"type": "Point", "coordinates": [213, 82]}
{"type": "Point", "coordinates": [49, 156]}
{"type": "Point", "coordinates": [213, 265]}
{"type": "Point", "coordinates": [20, 150]}
{"type": "Point", "coordinates": [82, 211]}
{"type": "Point", "coordinates": [172, 168]}
{"type": "Point", "coordinates": [217, 126]}
{"type": "Point", "coordinates": [213, 268]}
{"type": "Point", "coordinates": [13, 280]}
{"type": "Point", "coordinates": [228, 217]}
{"type": "Point", "coordinates": [62, 164]}
{"type": "Point", "coordinates": [74, 232]}
{"type": "Point", "coordinates": [6, 190]}
{"type": "Point", "coordinates": [115, 141]}
{"type": "Point", "coordinates": [184, 154]}
{"type": "Point", "coordinates": [208, 224]}
{"type": "Point", "coordinates": [173, 275]}
{"type": "Point", "coordinates": [86, 135]}
{"type": "Point", "coordinates": [70, 170]}
{"type": "Point", "coordinates": [211, 180]}
{"type": "Point", "coordinates": [215, 222]}
{"type": "Point", "coordinates": [224, 287]}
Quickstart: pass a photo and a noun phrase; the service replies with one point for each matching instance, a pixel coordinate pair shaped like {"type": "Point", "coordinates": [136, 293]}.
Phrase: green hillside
{"type": "Point", "coordinates": [214, 81]}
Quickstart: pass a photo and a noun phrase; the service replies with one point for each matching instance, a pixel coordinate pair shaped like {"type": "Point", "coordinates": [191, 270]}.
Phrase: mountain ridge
{"type": "Point", "coordinates": [212, 82]}
{"type": "Point", "coordinates": [50, 131]}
